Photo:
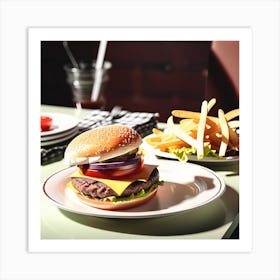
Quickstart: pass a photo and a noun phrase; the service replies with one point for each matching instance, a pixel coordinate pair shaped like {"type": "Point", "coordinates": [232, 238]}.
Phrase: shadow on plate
{"type": "Point", "coordinates": [233, 167]}
{"type": "Point", "coordinates": [201, 219]}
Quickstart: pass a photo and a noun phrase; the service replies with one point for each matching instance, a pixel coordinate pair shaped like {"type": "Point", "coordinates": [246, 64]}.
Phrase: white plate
{"type": "Point", "coordinates": [186, 186]}
{"type": "Point", "coordinates": [59, 135]}
{"type": "Point", "coordinates": [59, 140]}
{"type": "Point", "coordinates": [60, 123]}
{"type": "Point", "coordinates": [193, 158]}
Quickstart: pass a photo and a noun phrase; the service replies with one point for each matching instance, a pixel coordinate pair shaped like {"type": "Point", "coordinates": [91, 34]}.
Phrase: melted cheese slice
{"type": "Point", "coordinates": [119, 186]}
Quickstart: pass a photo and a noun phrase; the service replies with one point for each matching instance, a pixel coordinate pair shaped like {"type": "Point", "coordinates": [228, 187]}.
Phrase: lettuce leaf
{"type": "Point", "coordinates": [183, 153]}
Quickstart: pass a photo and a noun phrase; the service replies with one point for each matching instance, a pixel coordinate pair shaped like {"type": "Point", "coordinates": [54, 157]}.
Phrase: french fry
{"type": "Point", "coordinates": [225, 133]}
{"type": "Point", "coordinates": [232, 114]}
{"type": "Point", "coordinates": [164, 145]}
{"type": "Point", "coordinates": [157, 131]}
{"type": "Point", "coordinates": [169, 137]}
{"type": "Point", "coordinates": [185, 114]}
{"type": "Point", "coordinates": [182, 114]}
{"type": "Point", "coordinates": [233, 124]}
{"type": "Point", "coordinates": [211, 103]}
{"type": "Point", "coordinates": [152, 141]}
{"type": "Point", "coordinates": [188, 125]}
{"type": "Point", "coordinates": [180, 133]}
{"type": "Point", "coordinates": [201, 130]}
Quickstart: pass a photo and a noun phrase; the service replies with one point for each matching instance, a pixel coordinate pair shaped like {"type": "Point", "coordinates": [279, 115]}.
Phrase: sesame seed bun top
{"type": "Point", "coordinates": [101, 143]}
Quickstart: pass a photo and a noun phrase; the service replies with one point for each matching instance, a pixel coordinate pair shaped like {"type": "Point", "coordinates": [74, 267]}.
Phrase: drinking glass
{"type": "Point", "coordinates": [81, 81]}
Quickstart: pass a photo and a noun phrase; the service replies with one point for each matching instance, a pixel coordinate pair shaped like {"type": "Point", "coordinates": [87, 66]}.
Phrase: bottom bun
{"type": "Point", "coordinates": [108, 205]}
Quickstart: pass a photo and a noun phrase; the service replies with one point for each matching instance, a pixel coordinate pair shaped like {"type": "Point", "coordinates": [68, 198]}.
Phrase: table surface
{"type": "Point", "coordinates": [211, 221]}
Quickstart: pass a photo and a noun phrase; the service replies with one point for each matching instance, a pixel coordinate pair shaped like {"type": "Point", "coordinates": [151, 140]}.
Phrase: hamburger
{"type": "Point", "coordinates": [111, 173]}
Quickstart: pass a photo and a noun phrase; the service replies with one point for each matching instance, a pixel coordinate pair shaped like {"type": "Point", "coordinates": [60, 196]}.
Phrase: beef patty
{"type": "Point", "coordinates": [98, 189]}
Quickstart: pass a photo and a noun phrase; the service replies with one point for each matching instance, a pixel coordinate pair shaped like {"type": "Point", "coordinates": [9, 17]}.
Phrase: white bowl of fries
{"type": "Point", "coordinates": [198, 136]}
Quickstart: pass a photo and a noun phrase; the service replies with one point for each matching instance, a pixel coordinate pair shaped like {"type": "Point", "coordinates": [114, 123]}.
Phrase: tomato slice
{"type": "Point", "coordinates": [113, 173]}
{"type": "Point", "coordinates": [46, 123]}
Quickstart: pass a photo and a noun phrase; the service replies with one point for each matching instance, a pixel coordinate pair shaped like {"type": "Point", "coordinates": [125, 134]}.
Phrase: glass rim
{"type": "Point", "coordinates": [69, 67]}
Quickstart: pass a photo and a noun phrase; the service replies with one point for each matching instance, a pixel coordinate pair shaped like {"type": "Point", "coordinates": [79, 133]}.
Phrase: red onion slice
{"type": "Point", "coordinates": [130, 163]}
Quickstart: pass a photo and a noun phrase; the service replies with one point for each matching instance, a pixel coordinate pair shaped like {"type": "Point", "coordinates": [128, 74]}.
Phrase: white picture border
{"type": "Point", "coordinates": [262, 17]}
{"type": "Point", "coordinates": [243, 35]}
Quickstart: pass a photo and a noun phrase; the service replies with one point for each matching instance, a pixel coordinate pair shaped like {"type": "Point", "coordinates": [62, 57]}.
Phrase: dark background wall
{"type": "Point", "coordinates": [145, 76]}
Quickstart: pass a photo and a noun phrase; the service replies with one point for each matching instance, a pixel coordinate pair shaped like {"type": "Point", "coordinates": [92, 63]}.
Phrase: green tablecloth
{"type": "Point", "coordinates": [213, 221]}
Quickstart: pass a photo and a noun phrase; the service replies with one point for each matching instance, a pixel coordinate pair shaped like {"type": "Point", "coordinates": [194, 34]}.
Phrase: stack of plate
{"type": "Point", "coordinates": [64, 127]}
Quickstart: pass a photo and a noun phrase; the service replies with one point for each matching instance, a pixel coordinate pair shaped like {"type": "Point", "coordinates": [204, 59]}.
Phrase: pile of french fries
{"type": "Point", "coordinates": [198, 130]}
